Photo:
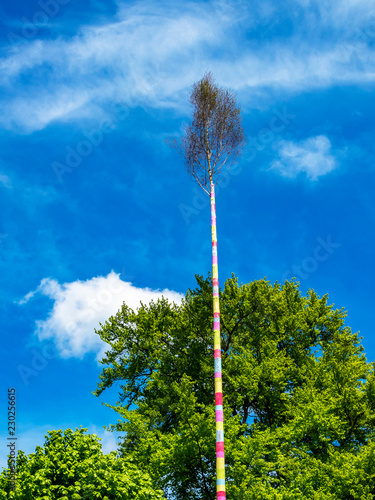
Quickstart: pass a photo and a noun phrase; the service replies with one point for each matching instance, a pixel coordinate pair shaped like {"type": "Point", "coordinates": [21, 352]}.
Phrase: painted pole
{"type": "Point", "coordinates": [220, 458]}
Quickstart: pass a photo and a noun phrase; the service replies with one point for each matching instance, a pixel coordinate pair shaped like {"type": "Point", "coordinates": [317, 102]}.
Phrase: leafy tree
{"type": "Point", "coordinates": [299, 395]}
{"type": "Point", "coordinates": [212, 142]}
{"type": "Point", "coordinates": [71, 466]}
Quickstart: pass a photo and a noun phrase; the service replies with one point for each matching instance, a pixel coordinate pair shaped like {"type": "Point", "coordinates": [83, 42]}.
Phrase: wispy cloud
{"type": "Point", "coordinates": [123, 60]}
{"type": "Point", "coordinates": [311, 156]}
{"type": "Point", "coordinates": [131, 59]}
{"type": "Point", "coordinates": [80, 306]}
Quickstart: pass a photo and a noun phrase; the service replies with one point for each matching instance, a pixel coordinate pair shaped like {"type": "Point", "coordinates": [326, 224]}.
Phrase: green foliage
{"type": "Point", "coordinates": [299, 395]}
{"type": "Point", "coordinates": [71, 466]}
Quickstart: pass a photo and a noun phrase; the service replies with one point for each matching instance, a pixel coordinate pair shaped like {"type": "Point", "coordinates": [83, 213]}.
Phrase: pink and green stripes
{"type": "Point", "coordinates": [220, 459]}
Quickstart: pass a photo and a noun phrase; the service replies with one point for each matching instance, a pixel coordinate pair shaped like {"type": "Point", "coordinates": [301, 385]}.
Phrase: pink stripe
{"type": "Point", "coordinates": [217, 327]}
{"type": "Point", "coordinates": [220, 447]}
{"type": "Point", "coordinates": [220, 454]}
{"type": "Point", "coordinates": [214, 259]}
{"type": "Point", "coordinates": [217, 353]}
{"type": "Point", "coordinates": [219, 415]}
{"type": "Point", "coordinates": [218, 375]}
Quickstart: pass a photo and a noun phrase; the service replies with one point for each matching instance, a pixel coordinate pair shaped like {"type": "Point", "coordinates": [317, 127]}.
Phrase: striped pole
{"type": "Point", "coordinates": [220, 460]}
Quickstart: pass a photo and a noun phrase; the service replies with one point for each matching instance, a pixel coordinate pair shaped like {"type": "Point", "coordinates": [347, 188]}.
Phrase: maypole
{"type": "Point", "coordinates": [212, 141]}
{"type": "Point", "coordinates": [220, 456]}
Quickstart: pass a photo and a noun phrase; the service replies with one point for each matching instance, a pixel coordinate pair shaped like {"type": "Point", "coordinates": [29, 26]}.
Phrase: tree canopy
{"type": "Point", "coordinates": [71, 466]}
{"type": "Point", "coordinates": [299, 395]}
{"type": "Point", "coordinates": [214, 139]}
{"type": "Point", "coordinates": [299, 405]}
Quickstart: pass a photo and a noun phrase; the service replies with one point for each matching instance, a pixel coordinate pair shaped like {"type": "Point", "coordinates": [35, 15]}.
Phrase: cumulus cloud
{"type": "Point", "coordinates": [311, 156]}
{"type": "Point", "coordinates": [80, 306]}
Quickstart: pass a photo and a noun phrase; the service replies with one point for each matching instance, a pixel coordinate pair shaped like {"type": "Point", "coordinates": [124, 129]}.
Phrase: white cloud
{"type": "Point", "coordinates": [312, 156]}
{"type": "Point", "coordinates": [351, 13]}
{"type": "Point", "coordinates": [126, 60]}
{"type": "Point", "coordinates": [80, 306]}
{"type": "Point", "coordinates": [28, 440]}
{"type": "Point", "coordinates": [151, 53]}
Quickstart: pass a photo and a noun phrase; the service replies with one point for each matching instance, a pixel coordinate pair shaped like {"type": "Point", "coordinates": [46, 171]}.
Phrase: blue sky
{"type": "Point", "coordinates": [96, 209]}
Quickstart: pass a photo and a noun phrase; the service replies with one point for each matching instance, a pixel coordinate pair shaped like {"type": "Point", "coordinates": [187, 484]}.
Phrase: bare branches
{"type": "Point", "coordinates": [215, 137]}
